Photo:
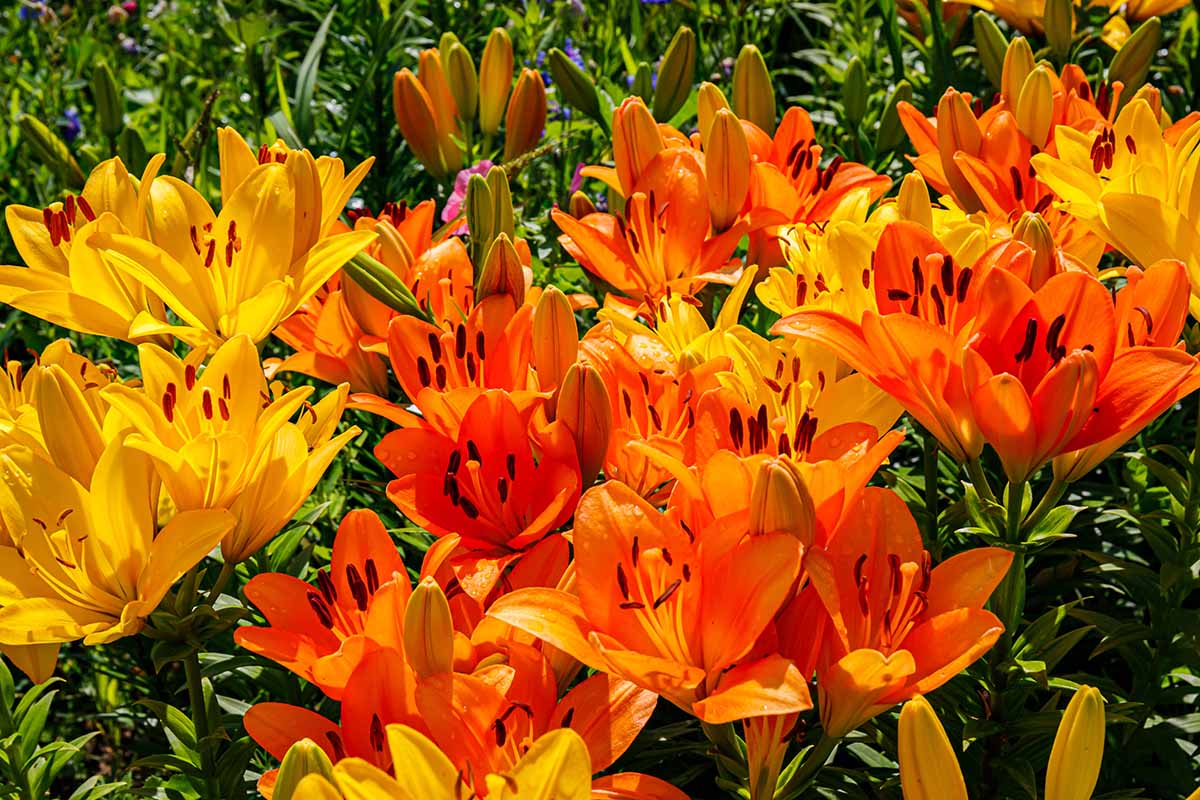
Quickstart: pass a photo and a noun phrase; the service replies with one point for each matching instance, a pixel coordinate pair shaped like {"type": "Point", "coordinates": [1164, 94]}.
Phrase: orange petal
{"type": "Point", "coordinates": [769, 686]}
{"type": "Point", "coordinates": [608, 713]}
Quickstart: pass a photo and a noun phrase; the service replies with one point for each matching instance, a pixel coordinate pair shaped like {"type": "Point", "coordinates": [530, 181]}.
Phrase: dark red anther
{"type": "Point", "coordinates": [666, 594]}
{"type": "Point", "coordinates": [206, 404]}
{"type": "Point", "coordinates": [86, 208]}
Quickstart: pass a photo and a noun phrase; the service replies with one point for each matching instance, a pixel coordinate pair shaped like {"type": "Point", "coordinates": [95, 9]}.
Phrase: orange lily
{"type": "Point", "coordinates": [661, 604]}
{"type": "Point", "coordinates": [897, 627]}
{"type": "Point", "coordinates": [327, 340]}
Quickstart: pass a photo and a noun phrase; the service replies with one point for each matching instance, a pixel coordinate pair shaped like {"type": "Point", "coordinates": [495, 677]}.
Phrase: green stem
{"type": "Point", "coordinates": [813, 762]}
{"type": "Point", "coordinates": [1047, 504]}
{"type": "Point", "coordinates": [931, 490]}
{"type": "Point", "coordinates": [1191, 516]}
{"type": "Point", "coordinates": [979, 479]}
{"type": "Point", "coordinates": [191, 667]}
{"type": "Point", "coordinates": [1010, 595]}
{"type": "Point", "coordinates": [227, 570]}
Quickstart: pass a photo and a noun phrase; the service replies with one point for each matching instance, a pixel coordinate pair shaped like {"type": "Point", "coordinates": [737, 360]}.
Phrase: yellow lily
{"type": "Point", "coordinates": [251, 266]}
{"type": "Point", "coordinates": [66, 282]}
{"type": "Point", "coordinates": [1135, 184]}
{"type": "Point", "coordinates": [925, 753]}
{"type": "Point", "coordinates": [828, 266]}
{"type": "Point", "coordinates": [88, 564]}
{"type": "Point", "coordinates": [221, 438]}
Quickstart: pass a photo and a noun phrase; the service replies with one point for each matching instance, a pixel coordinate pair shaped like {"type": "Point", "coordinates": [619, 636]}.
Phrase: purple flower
{"type": "Point", "coordinates": [129, 44]}
{"type": "Point", "coordinates": [454, 204]}
{"type": "Point", "coordinates": [32, 11]}
{"type": "Point", "coordinates": [70, 124]}
{"type": "Point", "coordinates": [577, 178]}
{"type": "Point", "coordinates": [573, 52]}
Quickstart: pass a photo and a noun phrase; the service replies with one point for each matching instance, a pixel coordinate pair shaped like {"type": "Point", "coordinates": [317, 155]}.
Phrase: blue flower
{"type": "Point", "coordinates": [70, 124]}
{"type": "Point", "coordinates": [32, 11]}
{"type": "Point", "coordinates": [573, 52]}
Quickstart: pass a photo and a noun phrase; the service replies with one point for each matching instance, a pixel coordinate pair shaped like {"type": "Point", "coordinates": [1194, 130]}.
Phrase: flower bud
{"type": "Point", "coordinates": [583, 407]}
{"type": "Point", "coordinates": [302, 759]}
{"type": "Point", "coordinates": [1152, 96]}
{"type": "Point", "coordinates": [1059, 23]}
{"type": "Point", "coordinates": [928, 764]}
{"type": "Point", "coordinates": [990, 45]}
{"type": "Point", "coordinates": [480, 213]}
{"type": "Point", "coordinates": [727, 157]}
{"type": "Point", "coordinates": [432, 75]}
{"type": "Point", "coordinates": [1018, 63]}
{"type": "Point", "coordinates": [1132, 62]}
{"type": "Point", "coordinates": [1033, 231]}
{"type": "Point", "coordinates": [753, 94]}
{"type": "Point", "coordinates": [429, 630]}
{"type": "Point", "coordinates": [636, 140]}
{"type": "Point", "coordinates": [1078, 748]}
{"type": "Point", "coordinates": [381, 283]}
{"type": "Point", "coordinates": [780, 501]}
{"type": "Point", "coordinates": [912, 203]}
{"type": "Point", "coordinates": [502, 272]}
{"type": "Point", "coordinates": [132, 150]}
{"type": "Point", "coordinates": [1035, 106]}
{"type": "Point", "coordinates": [675, 74]}
{"type": "Point", "coordinates": [891, 131]}
{"type": "Point", "coordinates": [580, 205]}
{"type": "Point", "coordinates": [50, 150]}
{"type": "Point", "coordinates": [854, 91]}
{"type": "Point", "coordinates": [503, 220]}
{"type": "Point", "coordinates": [315, 787]}
{"type": "Point", "coordinates": [495, 80]}
{"type": "Point", "coordinates": [709, 101]}
{"type": "Point", "coordinates": [555, 338]}
{"type": "Point", "coordinates": [575, 87]}
{"type": "Point", "coordinates": [415, 118]}
{"type": "Point", "coordinates": [526, 116]}
{"type": "Point", "coordinates": [958, 131]}
{"type": "Point", "coordinates": [110, 105]}
{"type": "Point", "coordinates": [464, 83]}
{"type": "Point", "coordinates": [70, 427]}
{"type": "Point", "coordinates": [643, 82]}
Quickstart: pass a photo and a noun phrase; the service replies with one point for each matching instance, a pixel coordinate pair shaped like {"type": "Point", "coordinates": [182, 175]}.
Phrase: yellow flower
{"type": "Point", "coordinates": [246, 269]}
{"type": "Point", "coordinates": [828, 266]}
{"type": "Point", "coordinates": [1135, 184]}
{"type": "Point", "coordinates": [218, 439]}
{"type": "Point", "coordinates": [66, 281]}
{"type": "Point", "coordinates": [928, 766]}
{"type": "Point", "coordinates": [85, 563]}
{"type": "Point", "coordinates": [556, 767]}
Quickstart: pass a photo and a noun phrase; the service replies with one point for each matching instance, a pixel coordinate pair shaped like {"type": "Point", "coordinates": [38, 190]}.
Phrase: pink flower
{"type": "Point", "coordinates": [454, 204]}
{"type": "Point", "coordinates": [577, 178]}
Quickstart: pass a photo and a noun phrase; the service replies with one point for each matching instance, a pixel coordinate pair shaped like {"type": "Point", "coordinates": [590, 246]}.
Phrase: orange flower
{"type": "Point", "coordinates": [896, 626]}
{"type": "Point", "coordinates": [327, 340]}
{"type": "Point", "coordinates": [666, 605]}
{"type": "Point", "coordinates": [487, 483]}
{"type": "Point", "coordinates": [322, 633]}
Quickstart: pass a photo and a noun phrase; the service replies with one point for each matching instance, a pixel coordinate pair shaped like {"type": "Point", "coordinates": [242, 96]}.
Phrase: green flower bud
{"type": "Point", "coordinates": [1059, 23]}
{"type": "Point", "coordinates": [753, 93]}
{"type": "Point", "coordinates": [464, 83]}
{"type": "Point", "coordinates": [891, 132]}
{"type": "Point", "coordinates": [480, 218]}
{"type": "Point", "coordinates": [50, 150]}
{"type": "Point", "coordinates": [675, 74]}
{"type": "Point", "coordinates": [1132, 62]}
{"type": "Point", "coordinates": [643, 82]}
{"type": "Point", "coordinates": [575, 87]}
{"type": "Point", "coordinates": [991, 46]}
{"type": "Point", "coordinates": [854, 91]}
{"type": "Point", "coordinates": [502, 208]}
{"type": "Point", "coordinates": [109, 105]}
{"type": "Point", "coordinates": [132, 150]}
{"type": "Point", "coordinates": [302, 759]}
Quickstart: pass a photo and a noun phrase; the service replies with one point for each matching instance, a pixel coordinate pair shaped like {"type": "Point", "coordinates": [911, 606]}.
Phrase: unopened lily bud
{"type": "Point", "coordinates": [958, 131]}
{"type": "Point", "coordinates": [555, 338]}
{"type": "Point", "coordinates": [636, 140]}
{"type": "Point", "coordinates": [1059, 23]}
{"type": "Point", "coordinates": [110, 107]}
{"type": "Point", "coordinates": [753, 93]}
{"type": "Point", "coordinates": [302, 759]}
{"type": "Point", "coordinates": [583, 407]}
{"type": "Point", "coordinates": [709, 101]}
{"type": "Point", "coordinates": [891, 131]}
{"type": "Point", "coordinates": [429, 630]}
{"type": "Point", "coordinates": [1078, 748]}
{"type": "Point", "coordinates": [480, 214]}
{"type": "Point", "coordinates": [780, 501]}
{"type": "Point", "coordinates": [503, 220]}
{"type": "Point", "coordinates": [464, 83]}
{"type": "Point", "coordinates": [495, 80]}
{"type": "Point", "coordinates": [1033, 231]}
{"type": "Point", "coordinates": [912, 203]}
{"type": "Point", "coordinates": [1152, 96]}
{"type": "Point", "coordinates": [432, 75]}
{"type": "Point", "coordinates": [1132, 62]}
{"type": "Point", "coordinates": [580, 205]}
{"type": "Point", "coordinates": [675, 74]}
{"type": "Point", "coordinates": [74, 439]}
{"type": "Point", "coordinates": [1018, 63]}
{"type": "Point", "coordinates": [991, 46]}
{"type": "Point", "coordinates": [316, 787]}
{"type": "Point", "coordinates": [727, 157]}
{"type": "Point", "coordinates": [854, 91]}
{"type": "Point", "coordinates": [575, 87]}
{"type": "Point", "coordinates": [132, 150]}
{"type": "Point", "coordinates": [643, 82]}
{"type": "Point", "coordinates": [502, 272]}
{"type": "Point", "coordinates": [50, 150]}
{"type": "Point", "coordinates": [415, 118]}
{"type": "Point", "coordinates": [1035, 106]}
{"type": "Point", "coordinates": [381, 283]}
{"type": "Point", "coordinates": [928, 764]}
{"type": "Point", "coordinates": [526, 116]}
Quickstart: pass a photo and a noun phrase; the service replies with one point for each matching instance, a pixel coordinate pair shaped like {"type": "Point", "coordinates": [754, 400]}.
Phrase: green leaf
{"type": "Point", "coordinates": [306, 80]}
{"type": "Point", "coordinates": [174, 720]}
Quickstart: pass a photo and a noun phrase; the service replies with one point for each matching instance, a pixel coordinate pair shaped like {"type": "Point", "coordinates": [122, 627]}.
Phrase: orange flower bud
{"type": "Point", "coordinates": [1018, 63]}
{"type": "Point", "coordinates": [433, 77]}
{"type": "Point", "coordinates": [417, 123]}
{"type": "Point", "coordinates": [709, 101]}
{"type": "Point", "coordinates": [429, 630]}
{"type": "Point", "coordinates": [1033, 231]}
{"type": "Point", "coordinates": [583, 407]}
{"type": "Point", "coordinates": [1035, 107]}
{"type": "Point", "coordinates": [526, 117]}
{"type": "Point", "coordinates": [780, 501]}
{"type": "Point", "coordinates": [495, 80]}
{"type": "Point", "coordinates": [728, 169]}
{"type": "Point", "coordinates": [580, 205]}
{"type": "Point", "coordinates": [636, 140]}
{"type": "Point", "coordinates": [913, 201]}
{"type": "Point", "coordinates": [502, 272]}
{"type": "Point", "coordinates": [958, 131]}
{"type": "Point", "coordinates": [555, 338]}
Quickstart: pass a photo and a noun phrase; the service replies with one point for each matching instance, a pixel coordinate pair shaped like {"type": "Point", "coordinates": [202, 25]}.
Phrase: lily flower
{"type": "Point", "coordinates": [218, 439]}
{"type": "Point", "coordinates": [897, 626]}
{"type": "Point", "coordinates": [328, 344]}
{"type": "Point", "coordinates": [659, 603]}
{"type": "Point", "coordinates": [242, 271]}
{"type": "Point", "coordinates": [66, 281]}
{"type": "Point", "coordinates": [89, 563]}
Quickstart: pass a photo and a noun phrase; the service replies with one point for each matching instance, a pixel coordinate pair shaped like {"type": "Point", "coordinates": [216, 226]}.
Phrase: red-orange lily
{"type": "Point", "coordinates": [896, 626]}
{"type": "Point", "coordinates": [667, 607]}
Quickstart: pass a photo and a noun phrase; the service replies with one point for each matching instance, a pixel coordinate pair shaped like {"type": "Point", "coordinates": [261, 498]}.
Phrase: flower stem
{"type": "Point", "coordinates": [931, 490]}
{"type": "Point", "coordinates": [191, 667]}
{"type": "Point", "coordinates": [980, 481]}
{"type": "Point", "coordinates": [1191, 516]}
{"type": "Point", "coordinates": [1047, 504]}
{"type": "Point", "coordinates": [813, 762]}
{"type": "Point", "coordinates": [227, 570]}
{"type": "Point", "coordinates": [1010, 595]}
